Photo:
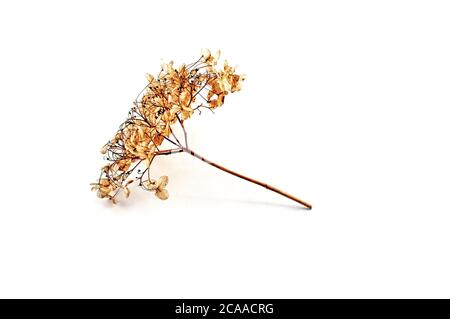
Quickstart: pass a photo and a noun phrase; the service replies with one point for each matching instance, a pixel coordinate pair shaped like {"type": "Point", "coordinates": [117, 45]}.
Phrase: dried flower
{"type": "Point", "coordinates": [168, 99]}
{"type": "Point", "coordinates": [158, 186]}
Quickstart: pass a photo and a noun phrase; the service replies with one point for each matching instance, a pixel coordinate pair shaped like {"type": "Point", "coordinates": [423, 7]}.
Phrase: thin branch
{"type": "Point", "coordinates": [184, 131]}
{"type": "Point", "coordinates": [171, 151]}
{"type": "Point", "coordinates": [267, 186]}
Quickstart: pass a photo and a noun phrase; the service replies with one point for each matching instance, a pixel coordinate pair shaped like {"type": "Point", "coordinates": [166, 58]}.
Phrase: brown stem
{"type": "Point", "coordinates": [271, 188]}
{"type": "Point", "coordinates": [168, 152]}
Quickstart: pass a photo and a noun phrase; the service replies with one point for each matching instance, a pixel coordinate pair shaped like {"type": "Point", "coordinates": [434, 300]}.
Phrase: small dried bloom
{"type": "Point", "coordinates": [158, 186]}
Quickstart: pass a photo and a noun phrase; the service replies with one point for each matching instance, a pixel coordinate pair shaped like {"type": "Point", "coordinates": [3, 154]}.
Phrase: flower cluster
{"type": "Point", "coordinates": [169, 98]}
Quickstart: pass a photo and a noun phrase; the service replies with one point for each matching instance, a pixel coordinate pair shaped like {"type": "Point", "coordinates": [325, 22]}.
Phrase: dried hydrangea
{"type": "Point", "coordinates": [169, 99]}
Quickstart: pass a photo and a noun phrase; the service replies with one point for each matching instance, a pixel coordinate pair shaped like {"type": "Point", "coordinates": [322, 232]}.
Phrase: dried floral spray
{"type": "Point", "coordinates": [168, 99]}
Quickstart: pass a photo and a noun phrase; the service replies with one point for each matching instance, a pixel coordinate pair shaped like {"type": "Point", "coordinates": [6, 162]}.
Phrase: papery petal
{"type": "Point", "coordinates": [126, 191]}
{"type": "Point", "coordinates": [163, 181]}
{"type": "Point", "coordinates": [206, 54]}
{"type": "Point", "coordinates": [162, 194]}
{"type": "Point", "coordinates": [104, 149]}
{"type": "Point", "coordinates": [150, 185]}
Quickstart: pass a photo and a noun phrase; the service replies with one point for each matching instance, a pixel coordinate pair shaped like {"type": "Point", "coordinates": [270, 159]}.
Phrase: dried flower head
{"type": "Point", "coordinates": [168, 100]}
{"type": "Point", "coordinates": [171, 97]}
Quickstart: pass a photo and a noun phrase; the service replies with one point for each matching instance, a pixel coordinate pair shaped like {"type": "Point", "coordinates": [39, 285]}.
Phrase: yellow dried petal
{"type": "Point", "coordinates": [162, 194]}
{"type": "Point", "coordinates": [129, 182]}
{"type": "Point", "coordinates": [126, 191]}
{"type": "Point", "coordinates": [104, 149]}
{"type": "Point", "coordinates": [150, 185]}
{"type": "Point", "coordinates": [163, 181]}
{"type": "Point", "coordinates": [206, 54]}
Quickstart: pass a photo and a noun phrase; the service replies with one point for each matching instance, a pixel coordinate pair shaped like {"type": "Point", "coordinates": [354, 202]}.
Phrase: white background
{"type": "Point", "coordinates": [345, 105]}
